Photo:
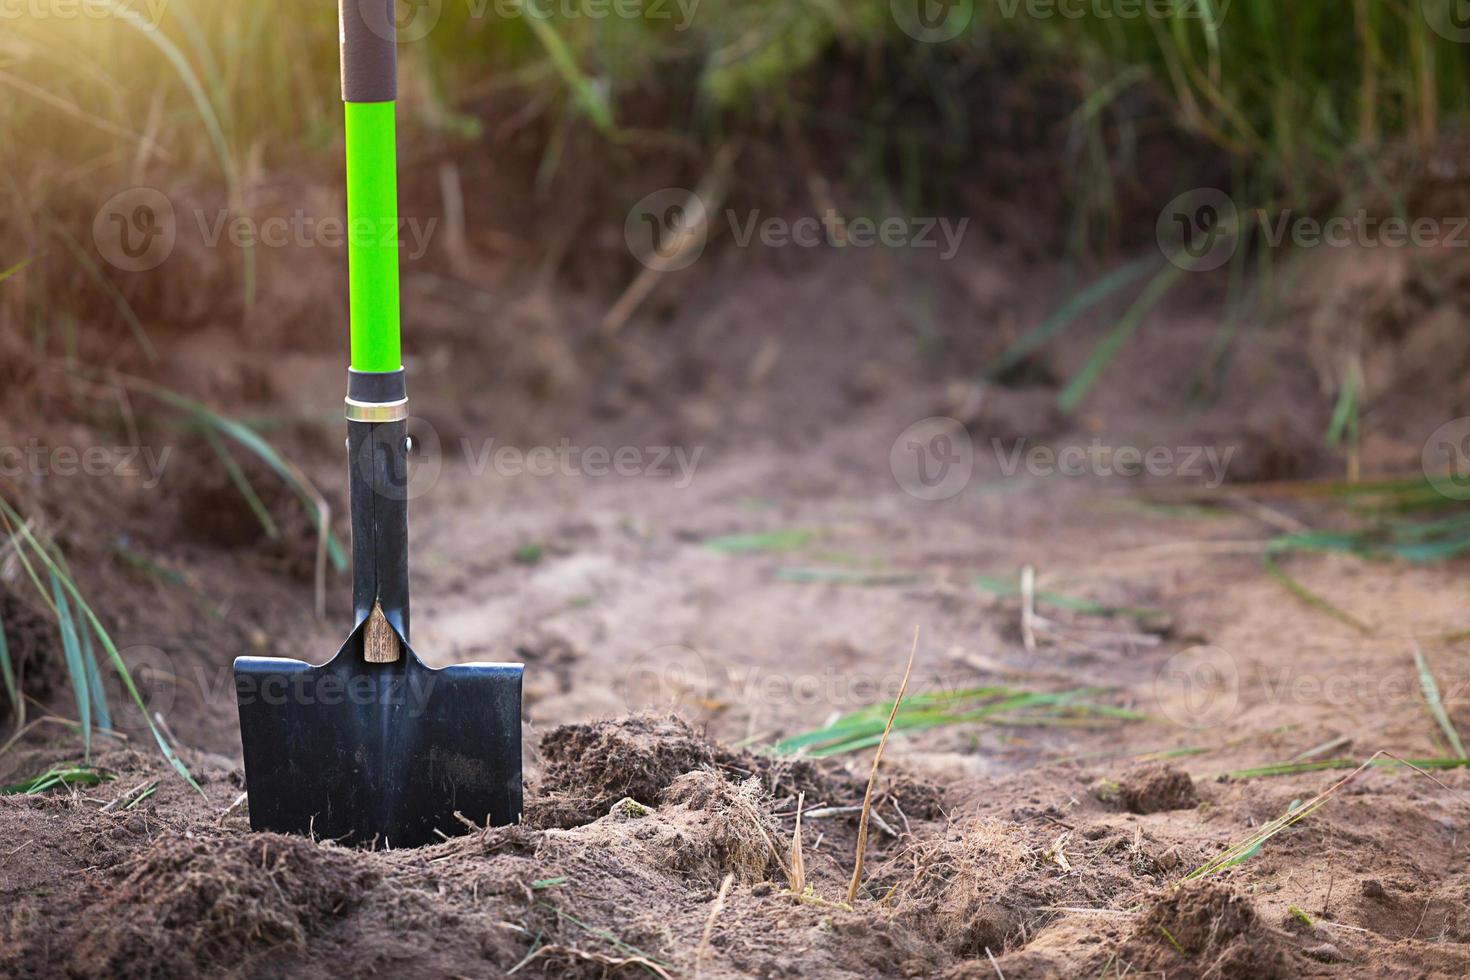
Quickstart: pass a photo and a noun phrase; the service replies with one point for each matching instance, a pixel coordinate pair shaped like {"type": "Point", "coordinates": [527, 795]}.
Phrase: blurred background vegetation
{"type": "Point", "coordinates": [1304, 99]}
{"type": "Point", "coordinates": [1072, 130]}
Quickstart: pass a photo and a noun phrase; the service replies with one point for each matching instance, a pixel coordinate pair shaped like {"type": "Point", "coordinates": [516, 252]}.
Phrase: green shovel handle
{"type": "Point", "coordinates": [370, 90]}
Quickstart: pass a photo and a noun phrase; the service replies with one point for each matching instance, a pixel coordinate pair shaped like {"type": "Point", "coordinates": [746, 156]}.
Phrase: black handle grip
{"type": "Point", "coordinates": [369, 51]}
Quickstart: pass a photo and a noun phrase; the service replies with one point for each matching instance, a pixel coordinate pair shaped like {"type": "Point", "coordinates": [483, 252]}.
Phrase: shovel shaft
{"type": "Point", "coordinates": [369, 89]}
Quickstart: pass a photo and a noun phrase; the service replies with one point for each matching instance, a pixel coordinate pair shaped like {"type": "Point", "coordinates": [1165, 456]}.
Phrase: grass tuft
{"type": "Point", "coordinates": [54, 777]}
{"type": "Point", "coordinates": [1005, 706]}
{"type": "Point", "coordinates": [23, 539]}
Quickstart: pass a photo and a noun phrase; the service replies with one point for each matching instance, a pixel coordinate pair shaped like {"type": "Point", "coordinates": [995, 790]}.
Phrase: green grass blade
{"type": "Point", "coordinates": [72, 650]}
{"type": "Point", "coordinates": [19, 527]}
{"type": "Point", "coordinates": [249, 439]}
{"type": "Point", "coordinates": [7, 671]}
{"type": "Point", "coordinates": [989, 705]}
{"type": "Point", "coordinates": [1344, 423]}
{"type": "Point", "coordinates": [16, 269]}
{"type": "Point", "coordinates": [238, 478]}
{"type": "Point", "coordinates": [842, 576]}
{"type": "Point", "coordinates": [1436, 703]}
{"type": "Point", "coordinates": [765, 541]}
{"type": "Point", "coordinates": [589, 96]}
{"type": "Point", "coordinates": [100, 711]}
{"type": "Point", "coordinates": [1036, 338]}
{"type": "Point", "coordinates": [1328, 765]}
{"type": "Point", "coordinates": [1103, 355]}
{"type": "Point", "coordinates": [207, 114]}
{"type": "Point", "coordinates": [1296, 588]}
{"type": "Point", "coordinates": [997, 585]}
{"type": "Point", "coordinates": [56, 776]}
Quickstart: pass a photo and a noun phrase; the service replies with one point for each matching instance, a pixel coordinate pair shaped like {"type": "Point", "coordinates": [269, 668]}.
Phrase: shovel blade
{"type": "Point", "coordinates": [382, 754]}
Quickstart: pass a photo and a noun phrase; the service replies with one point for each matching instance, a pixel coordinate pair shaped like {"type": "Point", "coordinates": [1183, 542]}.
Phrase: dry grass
{"type": "Point", "coordinates": [862, 841]}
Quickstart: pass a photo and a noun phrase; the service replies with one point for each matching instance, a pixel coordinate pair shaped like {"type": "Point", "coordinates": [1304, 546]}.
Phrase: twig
{"type": "Point", "coordinates": [991, 956]}
{"type": "Point", "coordinates": [862, 841]}
{"type": "Point", "coordinates": [127, 797]}
{"type": "Point", "coordinates": [239, 802]}
{"type": "Point", "coordinates": [1028, 608]}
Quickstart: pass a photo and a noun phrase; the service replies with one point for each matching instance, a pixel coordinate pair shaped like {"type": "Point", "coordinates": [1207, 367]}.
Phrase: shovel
{"type": "Point", "coordinates": [374, 747]}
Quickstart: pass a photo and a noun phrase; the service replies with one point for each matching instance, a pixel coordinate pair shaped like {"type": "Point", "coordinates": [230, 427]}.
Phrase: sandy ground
{"type": "Point", "coordinates": [1018, 850]}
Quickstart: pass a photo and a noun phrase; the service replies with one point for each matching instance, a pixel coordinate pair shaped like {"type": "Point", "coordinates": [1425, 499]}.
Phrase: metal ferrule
{"type": "Point", "coordinates": [360, 411]}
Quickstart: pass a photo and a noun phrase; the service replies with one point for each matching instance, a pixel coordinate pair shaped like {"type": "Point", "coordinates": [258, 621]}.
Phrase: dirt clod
{"type": "Point", "coordinates": [733, 830]}
{"type": "Point", "coordinates": [1156, 789]}
{"type": "Point", "coordinates": [591, 767]}
{"type": "Point", "coordinates": [1215, 930]}
{"type": "Point", "coordinates": [184, 906]}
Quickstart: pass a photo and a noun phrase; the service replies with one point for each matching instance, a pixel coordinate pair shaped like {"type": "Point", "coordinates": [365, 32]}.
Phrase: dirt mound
{"type": "Point", "coordinates": [1209, 931]}
{"type": "Point", "coordinates": [987, 883]}
{"type": "Point", "coordinates": [31, 642]}
{"type": "Point", "coordinates": [1156, 789]}
{"type": "Point", "coordinates": [720, 827]}
{"type": "Point", "coordinates": [185, 905]}
{"type": "Point", "coordinates": [591, 767]}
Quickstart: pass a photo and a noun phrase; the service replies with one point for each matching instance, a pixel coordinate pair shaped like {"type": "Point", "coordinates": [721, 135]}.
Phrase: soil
{"type": "Point", "coordinates": [660, 664]}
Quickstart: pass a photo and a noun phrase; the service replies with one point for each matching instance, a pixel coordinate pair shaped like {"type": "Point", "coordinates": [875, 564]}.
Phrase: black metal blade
{"type": "Point", "coordinates": [384, 753]}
